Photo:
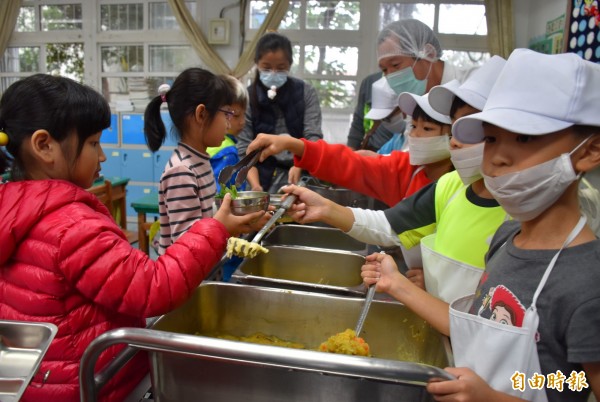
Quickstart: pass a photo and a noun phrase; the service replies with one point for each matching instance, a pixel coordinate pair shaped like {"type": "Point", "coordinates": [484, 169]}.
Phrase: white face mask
{"type": "Point", "coordinates": [467, 162]}
{"type": "Point", "coordinates": [525, 194]}
{"type": "Point", "coordinates": [395, 124]}
{"type": "Point", "coordinates": [424, 150]}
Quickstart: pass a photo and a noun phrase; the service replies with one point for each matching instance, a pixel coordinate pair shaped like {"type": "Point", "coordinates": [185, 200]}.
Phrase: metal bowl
{"type": "Point", "coordinates": [247, 202]}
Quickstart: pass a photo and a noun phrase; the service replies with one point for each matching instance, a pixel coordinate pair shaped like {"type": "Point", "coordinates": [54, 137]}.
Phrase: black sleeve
{"type": "Point", "coordinates": [413, 212]}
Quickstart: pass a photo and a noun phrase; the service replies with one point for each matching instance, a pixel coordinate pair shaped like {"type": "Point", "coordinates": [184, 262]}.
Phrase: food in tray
{"type": "Point", "coordinates": [346, 343]}
{"type": "Point", "coordinates": [243, 248]}
{"type": "Point", "coordinates": [264, 339]}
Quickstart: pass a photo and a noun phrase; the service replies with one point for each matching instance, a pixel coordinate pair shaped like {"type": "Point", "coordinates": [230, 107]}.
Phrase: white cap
{"type": "Point", "coordinates": [474, 91]}
{"type": "Point", "coordinates": [408, 102]}
{"type": "Point", "coordinates": [537, 94]}
{"type": "Point", "coordinates": [383, 100]}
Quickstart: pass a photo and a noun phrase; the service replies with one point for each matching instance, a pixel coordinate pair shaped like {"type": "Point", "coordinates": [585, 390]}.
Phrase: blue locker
{"type": "Point", "coordinates": [160, 159]}
{"type": "Point", "coordinates": [137, 164]}
{"type": "Point", "coordinates": [135, 192]}
{"type": "Point", "coordinates": [113, 166]}
{"type": "Point", "coordinates": [132, 129]}
{"type": "Point", "coordinates": [110, 135]}
{"type": "Point", "coordinates": [170, 140]}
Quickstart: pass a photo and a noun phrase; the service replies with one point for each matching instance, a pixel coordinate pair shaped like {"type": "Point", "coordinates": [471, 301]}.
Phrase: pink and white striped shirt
{"type": "Point", "coordinates": [186, 193]}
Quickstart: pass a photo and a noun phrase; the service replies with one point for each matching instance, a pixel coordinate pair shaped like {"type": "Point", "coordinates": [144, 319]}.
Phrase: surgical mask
{"type": "Point", "coordinates": [424, 150]}
{"type": "Point", "coordinates": [467, 162]}
{"type": "Point", "coordinates": [405, 81]}
{"type": "Point", "coordinates": [395, 124]}
{"type": "Point", "coordinates": [525, 194]}
{"type": "Point", "coordinates": [271, 78]}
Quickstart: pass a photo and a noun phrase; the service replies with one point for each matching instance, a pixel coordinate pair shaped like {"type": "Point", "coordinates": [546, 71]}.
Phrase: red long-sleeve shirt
{"type": "Point", "coordinates": [388, 178]}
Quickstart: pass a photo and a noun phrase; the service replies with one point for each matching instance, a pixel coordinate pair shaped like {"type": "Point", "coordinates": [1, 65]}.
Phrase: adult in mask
{"type": "Point", "coordinates": [408, 55]}
{"type": "Point", "coordinates": [279, 104]}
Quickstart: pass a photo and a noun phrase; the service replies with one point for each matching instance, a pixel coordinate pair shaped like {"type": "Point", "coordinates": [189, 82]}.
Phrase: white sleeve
{"type": "Point", "coordinates": [372, 227]}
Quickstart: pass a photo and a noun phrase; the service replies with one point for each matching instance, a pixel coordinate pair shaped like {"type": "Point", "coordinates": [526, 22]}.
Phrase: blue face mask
{"type": "Point", "coordinates": [271, 78]}
{"type": "Point", "coordinates": [405, 81]}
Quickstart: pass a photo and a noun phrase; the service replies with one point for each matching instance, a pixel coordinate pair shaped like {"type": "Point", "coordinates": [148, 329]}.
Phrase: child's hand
{"type": "Point", "coordinates": [416, 276]}
{"type": "Point", "coordinates": [274, 144]}
{"type": "Point", "coordinates": [381, 269]}
{"type": "Point", "coordinates": [309, 206]}
{"type": "Point", "coordinates": [467, 387]}
{"type": "Point", "coordinates": [237, 225]}
{"type": "Point", "coordinates": [294, 175]}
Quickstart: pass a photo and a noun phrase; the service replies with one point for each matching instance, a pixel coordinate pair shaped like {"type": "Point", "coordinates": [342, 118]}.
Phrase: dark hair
{"type": "Point", "coordinates": [419, 113]}
{"type": "Point", "coordinates": [272, 42]}
{"type": "Point", "coordinates": [58, 105]}
{"type": "Point", "coordinates": [191, 88]}
{"type": "Point", "coordinates": [457, 103]}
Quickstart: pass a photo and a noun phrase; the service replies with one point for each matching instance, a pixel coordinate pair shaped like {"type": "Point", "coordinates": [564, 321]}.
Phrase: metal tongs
{"type": "Point", "coordinates": [242, 167]}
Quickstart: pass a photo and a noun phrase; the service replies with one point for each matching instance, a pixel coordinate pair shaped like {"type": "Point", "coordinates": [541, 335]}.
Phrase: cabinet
{"type": "Point", "coordinates": [128, 156]}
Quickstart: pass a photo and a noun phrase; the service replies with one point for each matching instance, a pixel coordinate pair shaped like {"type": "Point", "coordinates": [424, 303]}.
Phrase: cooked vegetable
{"type": "Point", "coordinates": [231, 190]}
{"type": "Point", "coordinates": [346, 343]}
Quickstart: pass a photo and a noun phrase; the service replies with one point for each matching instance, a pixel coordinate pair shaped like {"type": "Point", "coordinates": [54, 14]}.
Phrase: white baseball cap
{"type": "Point", "coordinates": [537, 94]}
{"type": "Point", "coordinates": [383, 100]}
{"type": "Point", "coordinates": [408, 101]}
{"type": "Point", "coordinates": [473, 91]}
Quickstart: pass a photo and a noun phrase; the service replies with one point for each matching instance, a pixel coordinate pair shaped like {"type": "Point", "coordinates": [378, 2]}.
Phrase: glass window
{"type": "Point", "coordinates": [121, 17]}
{"type": "Point", "coordinates": [331, 60]}
{"type": "Point", "coordinates": [21, 60]}
{"type": "Point", "coordinates": [339, 15]}
{"type": "Point", "coordinates": [335, 94]}
{"type": "Point", "coordinates": [26, 20]}
{"type": "Point", "coordinates": [171, 58]}
{"type": "Point", "coordinates": [125, 58]}
{"type": "Point", "coordinates": [260, 9]}
{"type": "Point", "coordinates": [465, 59]}
{"type": "Point", "coordinates": [466, 19]}
{"type": "Point", "coordinates": [161, 16]}
{"type": "Point", "coordinates": [65, 59]}
{"type": "Point", "coordinates": [390, 12]}
{"type": "Point", "coordinates": [61, 17]}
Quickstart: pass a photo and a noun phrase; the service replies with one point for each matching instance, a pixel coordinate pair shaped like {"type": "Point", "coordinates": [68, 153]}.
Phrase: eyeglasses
{"type": "Point", "coordinates": [228, 113]}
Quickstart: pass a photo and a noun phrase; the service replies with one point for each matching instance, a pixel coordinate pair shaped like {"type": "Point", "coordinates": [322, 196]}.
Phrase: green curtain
{"type": "Point", "coordinates": [211, 58]}
{"type": "Point", "coordinates": [9, 11]}
{"type": "Point", "coordinates": [499, 18]}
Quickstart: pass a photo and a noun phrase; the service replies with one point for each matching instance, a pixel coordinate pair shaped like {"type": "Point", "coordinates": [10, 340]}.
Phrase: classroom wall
{"type": "Point", "coordinates": [531, 16]}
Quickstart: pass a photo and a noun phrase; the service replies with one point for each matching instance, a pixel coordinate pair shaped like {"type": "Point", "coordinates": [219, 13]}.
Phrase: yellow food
{"type": "Point", "coordinates": [264, 339]}
{"type": "Point", "coordinates": [346, 343]}
{"type": "Point", "coordinates": [243, 248]}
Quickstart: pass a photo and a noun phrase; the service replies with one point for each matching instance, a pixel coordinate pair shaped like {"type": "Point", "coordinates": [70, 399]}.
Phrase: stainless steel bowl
{"type": "Point", "coordinates": [247, 202]}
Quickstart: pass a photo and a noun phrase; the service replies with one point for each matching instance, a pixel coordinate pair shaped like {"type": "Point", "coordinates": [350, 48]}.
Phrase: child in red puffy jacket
{"type": "Point", "coordinates": [63, 259]}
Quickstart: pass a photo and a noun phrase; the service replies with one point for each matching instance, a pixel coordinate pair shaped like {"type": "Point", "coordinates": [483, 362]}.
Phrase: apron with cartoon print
{"type": "Point", "coordinates": [497, 351]}
{"type": "Point", "coordinates": [446, 278]}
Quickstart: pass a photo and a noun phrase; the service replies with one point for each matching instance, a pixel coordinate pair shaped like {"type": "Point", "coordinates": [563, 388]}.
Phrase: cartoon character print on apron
{"type": "Point", "coordinates": [496, 351]}
{"type": "Point", "coordinates": [446, 278]}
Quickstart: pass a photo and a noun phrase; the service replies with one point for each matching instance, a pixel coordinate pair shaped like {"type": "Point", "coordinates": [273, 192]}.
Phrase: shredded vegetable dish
{"type": "Point", "coordinates": [346, 343]}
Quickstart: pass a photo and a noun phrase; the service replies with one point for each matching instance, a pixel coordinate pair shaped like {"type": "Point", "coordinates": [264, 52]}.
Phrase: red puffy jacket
{"type": "Point", "coordinates": [389, 178]}
{"type": "Point", "coordinates": [64, 260]}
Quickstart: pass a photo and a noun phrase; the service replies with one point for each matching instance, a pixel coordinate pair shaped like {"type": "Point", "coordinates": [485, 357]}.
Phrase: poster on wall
{"type": "Point", "coordinates": [582, 29]}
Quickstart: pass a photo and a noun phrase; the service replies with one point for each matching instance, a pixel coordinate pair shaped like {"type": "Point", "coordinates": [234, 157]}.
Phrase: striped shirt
{"type": "Point", "coordinates": [186, 193]}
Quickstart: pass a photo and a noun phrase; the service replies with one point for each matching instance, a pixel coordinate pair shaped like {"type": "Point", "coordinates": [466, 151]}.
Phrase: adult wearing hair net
{"type": "Point", "coordinates": [408, 54]}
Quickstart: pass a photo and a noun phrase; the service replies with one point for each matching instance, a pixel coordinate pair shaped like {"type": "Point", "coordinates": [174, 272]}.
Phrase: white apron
{"type": "Point", "coordinates": [496, 351]}
{"type": "Point", "coordinates": [446, 278]}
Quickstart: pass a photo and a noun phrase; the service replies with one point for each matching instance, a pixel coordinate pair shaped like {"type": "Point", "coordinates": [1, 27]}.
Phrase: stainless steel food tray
{"type": "Point", "coordinates": [315, 237]}
{"type": "Point", "coordinates": [304, 268]}
{"type": "Point", "coordinates": [22, 347]}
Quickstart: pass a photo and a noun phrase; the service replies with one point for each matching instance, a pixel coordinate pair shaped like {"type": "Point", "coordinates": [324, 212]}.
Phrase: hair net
{"type": "Point", "coordinates": [408, 37]}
